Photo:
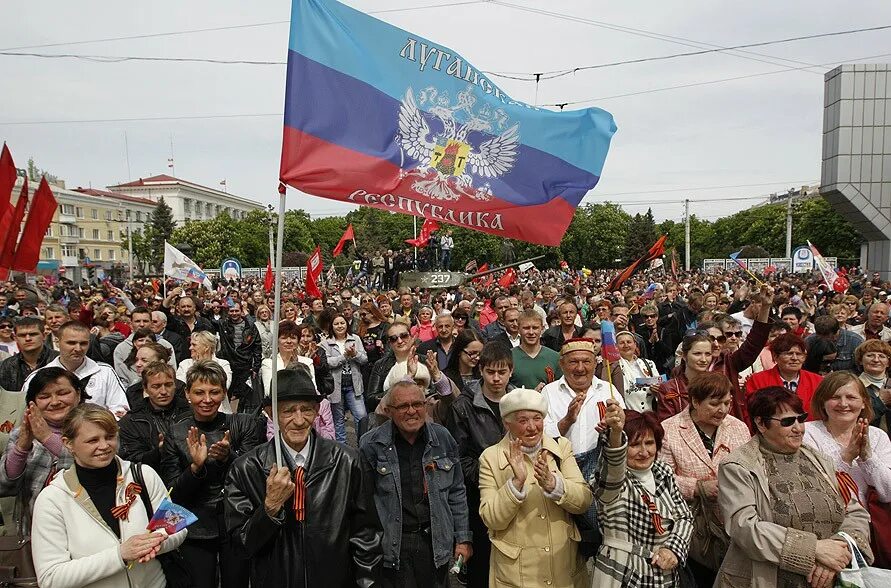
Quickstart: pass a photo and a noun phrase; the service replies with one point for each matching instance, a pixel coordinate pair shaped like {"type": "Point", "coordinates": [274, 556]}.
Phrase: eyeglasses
{"type": "Point", "coordinates": [459, 318]}
{"type": "Point", "coordinates": [399, 337]}
{"type": "Point", "coordinates": [737, 334]}
{"type": "Point", "coordinates": [790, 420]}
{"type": "Point", "coordinates": [650, 316]}
{"type": "Point", "coordinates": [471, 354]}
{"type": "Point", "coordinates": [5, 326]}
{"type": "Point", "coordinates": [416, 406]}
{"type": "Point", "coordinates": [719, 338]}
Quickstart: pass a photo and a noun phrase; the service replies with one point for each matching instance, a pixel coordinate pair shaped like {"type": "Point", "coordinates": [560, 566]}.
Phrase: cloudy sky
{"type": "Point", "coordinates": [712, 139]}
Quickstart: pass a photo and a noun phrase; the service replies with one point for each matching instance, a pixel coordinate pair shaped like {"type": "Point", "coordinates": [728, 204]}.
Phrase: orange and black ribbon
{"type": "Point", "coordinates": [601, 410]}
{"type": "Point", "coordinates": [299, 494]}
{"type": "Point", "coordinates": [430, 467]}
{"type": "Point", "coordinates": [654, 513]}
{"type": "Point", "coordinates": [123, 511]}
{"type": "Point", "coordinates": [847, 487]}
{"type": "Point", "coordinates": [550, 376]}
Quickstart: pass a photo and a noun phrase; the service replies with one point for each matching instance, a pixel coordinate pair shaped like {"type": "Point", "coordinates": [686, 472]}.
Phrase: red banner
{"type": "Point", "coordinates": [313, 272]}
{"type": "Point", "coordinates": [427, 229]}
{"type": "Point", "coordinates": [39, 217]}
{"type": "Point", "coordinates": [347, 236]}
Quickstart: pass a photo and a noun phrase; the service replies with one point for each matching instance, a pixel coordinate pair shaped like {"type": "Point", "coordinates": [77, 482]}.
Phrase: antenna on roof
{"type": "Point", "coordinates": [170, 159]}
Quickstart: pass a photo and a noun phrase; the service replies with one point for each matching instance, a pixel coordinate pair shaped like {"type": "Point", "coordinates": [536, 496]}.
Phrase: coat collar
{"type": "Point", "coordinates": [690, 436]}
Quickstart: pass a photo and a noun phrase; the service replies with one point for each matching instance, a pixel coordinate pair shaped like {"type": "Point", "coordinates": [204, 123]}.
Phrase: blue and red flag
{"type": "Point", "coordinates": [378, 116]}
{"type": "Point", "coordinates": [171, 517]}
{"type": "Point", "coordinates": [609, 350]}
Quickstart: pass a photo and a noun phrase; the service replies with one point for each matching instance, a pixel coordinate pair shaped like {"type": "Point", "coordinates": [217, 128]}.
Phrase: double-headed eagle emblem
{"type": "Point", "coordinates": [447, 160]}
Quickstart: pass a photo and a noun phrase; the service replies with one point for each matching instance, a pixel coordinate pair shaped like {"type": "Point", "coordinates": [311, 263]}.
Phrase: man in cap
{"type": "Point", "coordinates": [418, 491]}
{"type": "Point", "coordinates": [530, 486]}
{"type": "Point", "coordinates": [310, 523]}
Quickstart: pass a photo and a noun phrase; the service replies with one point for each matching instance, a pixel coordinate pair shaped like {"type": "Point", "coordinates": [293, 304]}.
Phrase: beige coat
{"type": "Point", "coordinates": [758, 547]}
{"type": "Point", "coordinates": [535, 542]}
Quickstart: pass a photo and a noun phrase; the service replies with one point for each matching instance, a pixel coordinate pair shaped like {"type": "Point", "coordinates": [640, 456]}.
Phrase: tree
{"type": "Point", "coordinates": [35, 173]}
{"type": "Point", "coordinates": [596, 236]}
{"type": "Point", "coordinates": [160, 229]}
{"type": "Point", "coordinates": [814, 219]}
{"type": "Point", "coordinates": [641, 235]}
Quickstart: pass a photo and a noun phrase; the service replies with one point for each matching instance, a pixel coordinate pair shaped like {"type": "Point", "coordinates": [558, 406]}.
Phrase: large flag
{"type": "Point", "coordinates": [39, 218]}
{"type": "Point", "coordinates": [347, 236]}
{"type": "Point", "coordinates": [379, 116]}
{"type": "Point", "coordinates": [180, 267]}
{"type": "Point", "coordinates": [656, 251]}
{"type": "Point", "coordinates": [313, 272]}
{"type": "Point", "coordinates": [12, 235]}
{"type": "Point", "coordinates": [7, 178]}
{"type": "Point", "coordinates": [427, 229]}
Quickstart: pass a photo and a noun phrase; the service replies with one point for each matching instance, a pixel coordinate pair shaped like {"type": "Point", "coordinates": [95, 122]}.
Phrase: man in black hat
{"type": "Point", "coordinates": [312, 522]}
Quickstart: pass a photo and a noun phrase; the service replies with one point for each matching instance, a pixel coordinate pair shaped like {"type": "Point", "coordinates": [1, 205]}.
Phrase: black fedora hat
{"type": "Point", "coordinates": [295, 384]}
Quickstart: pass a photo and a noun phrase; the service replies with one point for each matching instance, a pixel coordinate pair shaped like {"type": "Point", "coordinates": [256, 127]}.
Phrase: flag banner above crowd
{"type": "Point", "coordinates": [378, 116]}
{"type": "Point", "coordinates": [177, 265]}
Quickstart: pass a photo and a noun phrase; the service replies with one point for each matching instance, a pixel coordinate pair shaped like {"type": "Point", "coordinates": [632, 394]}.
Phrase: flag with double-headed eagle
{"type": "Point", "coordinates": [379, 116]}
{"type": "Point", "coordinates": [180, 267]}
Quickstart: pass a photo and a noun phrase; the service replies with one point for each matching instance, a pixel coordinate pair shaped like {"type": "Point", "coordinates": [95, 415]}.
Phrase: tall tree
{"type": "Point", "coordinates": [161, 226]}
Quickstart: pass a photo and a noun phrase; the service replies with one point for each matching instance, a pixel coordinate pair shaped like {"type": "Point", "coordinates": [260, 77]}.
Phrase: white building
{"type": "Point", "coordinates": [188, 201]}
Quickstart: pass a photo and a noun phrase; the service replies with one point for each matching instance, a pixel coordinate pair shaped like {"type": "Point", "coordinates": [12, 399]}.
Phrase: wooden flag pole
{"type": "Point", "coordinates": [609, 375]}
{"type": "Point", "coordinates": [276, 317]}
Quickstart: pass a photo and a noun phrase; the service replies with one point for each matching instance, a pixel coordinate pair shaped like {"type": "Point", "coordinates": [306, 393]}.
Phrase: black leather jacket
{"type": "Point", "coordinates": [203, 493]}
{"type": "Point", "coordinates": [338, 545]}
{"type": "Point", "coordinates": [140, 428]}
{"type": "Point", "coordinates": [375, 391]}
{"type": "Point", "coordinates": [245, 357]}
{"type": "Point", "coordinates": [14, 370]}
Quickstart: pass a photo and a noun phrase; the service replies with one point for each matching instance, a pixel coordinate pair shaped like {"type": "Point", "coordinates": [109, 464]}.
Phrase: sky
{"type": "Point", "coordinates": [713, 143]}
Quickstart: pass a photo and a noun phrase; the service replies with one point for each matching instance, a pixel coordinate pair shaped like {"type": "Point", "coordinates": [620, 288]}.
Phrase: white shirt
{"type": "Point", "coordinates": [446, 242]}
{"type": "Point", "coordinates": [298, 457]}
{"type": "Point", "coordinates": [582, 434]}
{"type": "Point", "coordinates": [513, 342]}
{"type": "Point", "coordinates": [744, 321]}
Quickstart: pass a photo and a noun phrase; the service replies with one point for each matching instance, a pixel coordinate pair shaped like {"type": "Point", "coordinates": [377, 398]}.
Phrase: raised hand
{"type": "Point", "coordinates": [545, 477]}
{"type": "Point", "coordinates": [39, 429]}
{"type": "Point", "coordinates": [615, 419]}
{"type": "Point", "coordinates": [432, 365]}
{"type": "Point", "coordinates": [411, 366]}
{"type": "Point", "coordinates": [517, 463]}
{"type": "Point", "coordinates": [26, 439]}
{"type": "Point", "coordinates": [197, 444]}
{"type": "Point", "coordinates": [219, 451]}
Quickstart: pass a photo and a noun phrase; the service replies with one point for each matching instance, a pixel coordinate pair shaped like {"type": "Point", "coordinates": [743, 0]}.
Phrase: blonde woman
{"type": "Point", "coordinates": [203, 346]}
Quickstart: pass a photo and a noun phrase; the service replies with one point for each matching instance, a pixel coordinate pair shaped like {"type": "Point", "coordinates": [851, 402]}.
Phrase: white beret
{"type": "Point", "coordinates": [523, 399]}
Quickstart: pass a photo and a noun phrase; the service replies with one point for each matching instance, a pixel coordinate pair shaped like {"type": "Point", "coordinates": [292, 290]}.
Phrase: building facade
{"type": "Point", "coordinates": [187, 200]}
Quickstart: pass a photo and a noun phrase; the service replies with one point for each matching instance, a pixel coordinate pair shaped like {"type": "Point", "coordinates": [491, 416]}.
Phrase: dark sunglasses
{"type": "Point", "coordinates": [790, 420]}
{"type": "Point", "coordinates": [459, 318]}
{"type": "Point", "coordinates": [720, 338]}
{"type": "Point", "coordinates": [399, 337]}
{"type": "Point", "coordinates": [650, 316]}
{"type": "Point", "coordinates": [5, 326]}
{"type": "Point", "coordinates": [737, 334]}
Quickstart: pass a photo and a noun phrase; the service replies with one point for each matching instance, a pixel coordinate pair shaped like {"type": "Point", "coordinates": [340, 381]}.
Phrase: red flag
{"type": "Point", "coordinates": [347, 236]}
{"type": "Point", "coordinates": [39, 217]}
{"type": "Point", "coordinates": [313, 271]}
{"type": "Point", "coordinates": [427, 229]}
{"type": "Point", "coordinates": [15, 226]}
{"type": "Point", "coordinates": [482, 268]}
{"type": "Point", "coordinates": [509, 277]}
{"type": "Point", "coordinates": [270, 277]}
{"type": "Point", "coordinates": [7, 177]}
{"type": "Point", "coordinates": [656, 251]}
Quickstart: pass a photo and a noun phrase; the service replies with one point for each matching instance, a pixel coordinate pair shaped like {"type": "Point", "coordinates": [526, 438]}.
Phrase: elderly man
{"type": "Point", "coordinates": [846, 341]}
{"type": "Point", "coordinates": [874, 327]}
{"type": "Point", "coordinates": [162, 333]}
{"type": "Point", "coordinates": [442, 343]}
{"type": "Point", "coordinates": [530, 486]}
{"type": "Point", "coordinates": [418, 491]}
{"type": "Point", "coordinates": [495, 328]}
{"type": "Point", "coordinates": [310, 523]}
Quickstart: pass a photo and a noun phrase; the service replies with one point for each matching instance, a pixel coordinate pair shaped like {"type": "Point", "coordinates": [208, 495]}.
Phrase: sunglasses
{"type": "Point", "coordinates": [720, 338]}
{"type": "Point", "coordinates": [650, 316]}
{"type": "Point", "coordinates": [460, 318]}
{"type": "Point", "coordinates": [737, 334]}
{"type": "Point", "coordinates": [5, 326]}
{"type": "Point", "coordinates": [399, 337]}
{"type": "Point", "coordinates": [790, 420]}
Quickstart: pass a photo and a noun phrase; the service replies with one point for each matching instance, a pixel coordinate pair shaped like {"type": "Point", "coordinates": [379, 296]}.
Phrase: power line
{"type": "Point", "coordinates": [751, 55]}
{"type": "Point", "coordinates": [703, 188]}
{"type": "Point", "coordinates": [561, 105]}
{"type": "Point", "coordinates": [122, 58]}
{"type": "Point", "coordinates": [140, 119]}
{"type": "Point", "coordinates": [222, 28]}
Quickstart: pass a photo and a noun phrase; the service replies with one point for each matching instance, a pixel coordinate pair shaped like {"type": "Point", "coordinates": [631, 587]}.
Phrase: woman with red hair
{"type": "Point", "coordinates": [789, 352]}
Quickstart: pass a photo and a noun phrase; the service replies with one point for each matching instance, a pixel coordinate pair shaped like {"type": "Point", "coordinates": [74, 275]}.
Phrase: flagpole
{"type": "Point", "coordinates": [276, 317]}
{"type": "Point", "coordinates": [415, 223]}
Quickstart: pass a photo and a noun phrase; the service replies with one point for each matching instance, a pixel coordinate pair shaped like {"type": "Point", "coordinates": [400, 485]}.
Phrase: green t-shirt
{"type": "Point", "coordinates": [529, 372]}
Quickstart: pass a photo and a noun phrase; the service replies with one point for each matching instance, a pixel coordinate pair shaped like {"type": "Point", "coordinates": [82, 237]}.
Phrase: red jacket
{"type": "Point", "coordinates": [807, 385]}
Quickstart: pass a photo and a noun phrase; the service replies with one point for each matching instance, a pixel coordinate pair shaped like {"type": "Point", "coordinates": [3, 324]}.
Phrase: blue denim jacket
{"type": "Point", "coordinates": [445, 483]}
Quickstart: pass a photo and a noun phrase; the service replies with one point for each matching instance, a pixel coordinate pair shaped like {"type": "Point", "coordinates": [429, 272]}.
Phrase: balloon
{"type": "Point", "coordinates": [840, 284]}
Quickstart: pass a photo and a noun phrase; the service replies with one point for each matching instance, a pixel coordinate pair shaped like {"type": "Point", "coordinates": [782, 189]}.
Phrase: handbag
{"type": "Point", "coordinates": [709, 542]}
{"type": "Point", "coordinates": [176, 570]}
{"type": "Point", "coordinates": [16, 562]}
{"type": "Point", "coordinates": [879, 528]}
{"type": "Point", "coordinates": [858, 574]}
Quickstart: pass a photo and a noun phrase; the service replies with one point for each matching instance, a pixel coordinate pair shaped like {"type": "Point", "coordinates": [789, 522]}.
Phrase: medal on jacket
{"type": "Point", "coordinates": [122, 511]}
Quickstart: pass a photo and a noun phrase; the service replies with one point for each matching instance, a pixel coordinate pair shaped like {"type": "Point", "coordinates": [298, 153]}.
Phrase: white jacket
{"type": "Point", "coordinates": [104, 387]}
{"type": "Point", "coordinates": [74, 548]}
{"type": "Point", "coordinates": [128, 374]}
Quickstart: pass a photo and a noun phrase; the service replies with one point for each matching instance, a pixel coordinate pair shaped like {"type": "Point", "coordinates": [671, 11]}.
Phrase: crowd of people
{"type": "Point", "coordinates": [732, 433]}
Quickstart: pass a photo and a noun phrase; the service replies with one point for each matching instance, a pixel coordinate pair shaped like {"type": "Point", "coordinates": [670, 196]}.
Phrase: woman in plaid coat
{"type": "Point", "coordinates": [645, 521]}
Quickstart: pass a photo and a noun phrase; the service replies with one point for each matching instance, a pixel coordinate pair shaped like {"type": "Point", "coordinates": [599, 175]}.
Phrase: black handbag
{"type": "Point", "coordinates": [176, 570]}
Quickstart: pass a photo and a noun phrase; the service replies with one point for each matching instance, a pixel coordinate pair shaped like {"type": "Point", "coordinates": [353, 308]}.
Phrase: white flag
{"type": "Point", "coordinates": [826, 270]}
{"type": "Point", "coordinates": [180, 267]}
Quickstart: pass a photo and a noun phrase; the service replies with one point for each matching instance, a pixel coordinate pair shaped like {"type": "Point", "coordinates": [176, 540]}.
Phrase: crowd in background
{"type": "Point", "coordinates": [737, 434]}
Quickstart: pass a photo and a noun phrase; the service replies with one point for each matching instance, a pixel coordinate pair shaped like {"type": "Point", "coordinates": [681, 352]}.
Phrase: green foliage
{"type": "Point", "coordinates": [642, 234]}
{"type": "Point", "coordinates": [597, 236]}
{"type": "Point", "coordinates": [35, 173]}
{"type": "Point", "coordinates": [159, 228]}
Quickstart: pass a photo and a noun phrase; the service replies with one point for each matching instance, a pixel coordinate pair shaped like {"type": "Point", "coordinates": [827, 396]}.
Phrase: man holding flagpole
{"type": "Point", "coordinates": [311, 522]}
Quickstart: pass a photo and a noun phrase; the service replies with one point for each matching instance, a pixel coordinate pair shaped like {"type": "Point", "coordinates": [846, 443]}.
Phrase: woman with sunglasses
{"type": "Point", "coordinates": [783, 503]}
{"type": "Point", "coordinates": [401, 347]}
{"type": "Point", "coordinates": [7, 340]}
{"type": "Point", "coordinates": [789, 352]}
